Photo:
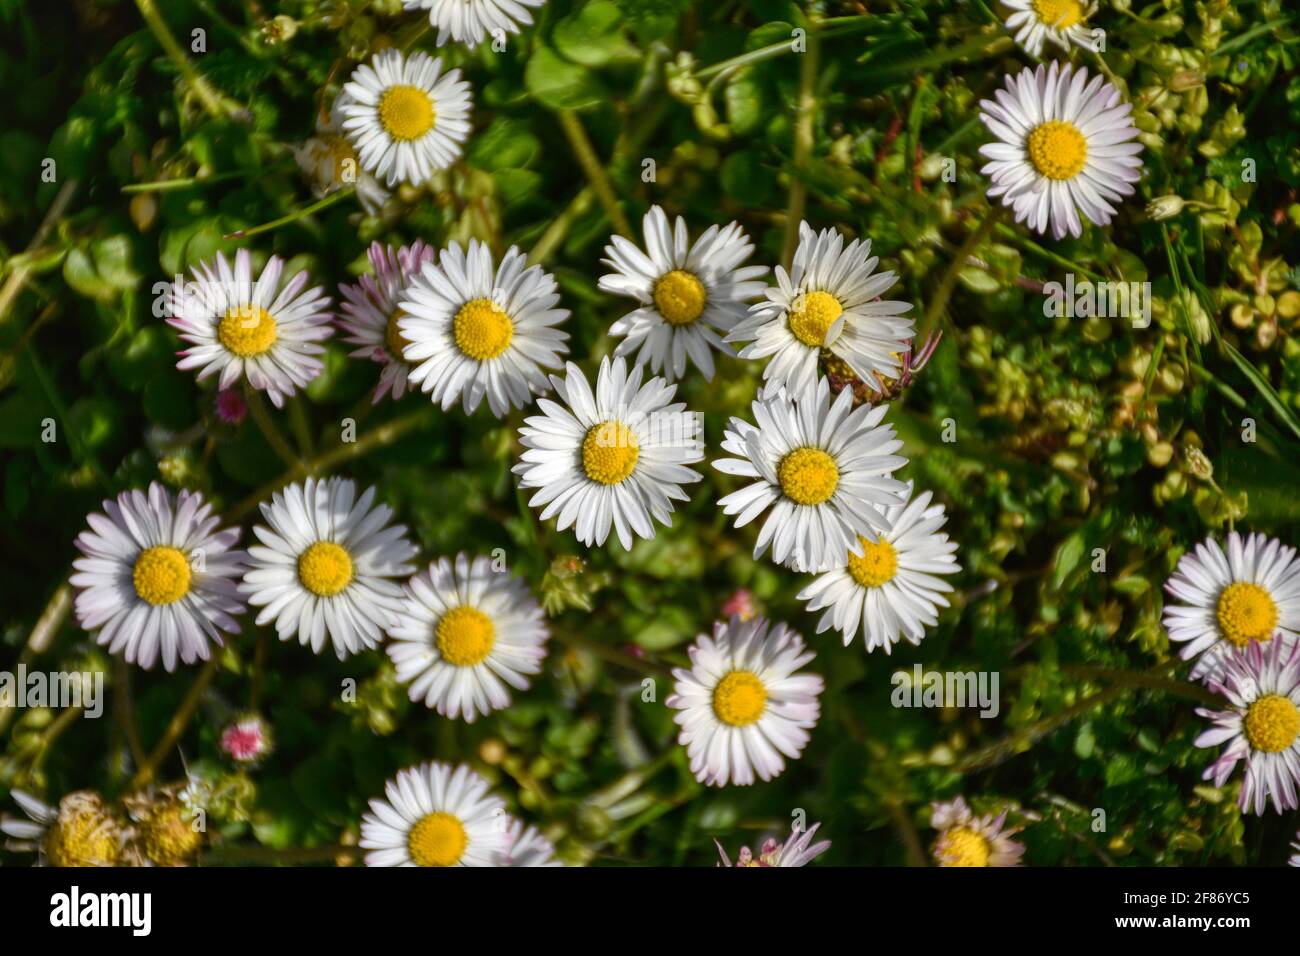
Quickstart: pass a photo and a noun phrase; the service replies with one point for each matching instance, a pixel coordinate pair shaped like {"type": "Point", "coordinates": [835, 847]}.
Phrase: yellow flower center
{"type": "Point", "coordinates": [85, 838]}
{"type": "Point", "coordinates": [964, 847]}
{"type": "Point", "coordinates": [247, 330]}
{"type": "Point", "coordinates": [482, 330]}
{"type": "Point", "coordinates": [1057, 149]}
{"type": "Point", "coordinates": [813, 317]}
{"type": "Point", "coordinates": [406, 113]}
{"type": "Point", "coordinates": [877, 566]}
{"type": "Point", "coordinates": [739, 699]}
{"type": "Point", "coordinates": [1246, 613]}
{"type": "Point", "coordinates": [1061, 14]}
{"type": "Point", "coordinates": [325, 568]}
{"type": "Point", "coordinates": [1272, 723]}
{"type": "Point", "coordinates": [679, 296]}
{"type": "Point", "coordinates": [161, 575]}
{"type": "Point", "coordinates": [169, 836]}
{"type": "Point", "coordinates": [609, 452]}
{"type": "Point", "coordinates": [465, 636]}
{"type": "Point", "coordinates": [808, 476]}
{"type": "Point", "coordinates": [437, 840]}
{"type": "Point", "coordinates": [394, 338]}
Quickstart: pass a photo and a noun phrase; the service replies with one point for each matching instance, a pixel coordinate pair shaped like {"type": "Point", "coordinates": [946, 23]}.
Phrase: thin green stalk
{"type": "Point", "coordinates": [301, 213]}
{"type": "Point", "coordinates": [176, 726]}
{"type": "Point", "coordinates": [805, 120]}
{"type": "Point", "coordinates": [934, 308]}
{"type": "Point", "coordinates": [785, 46]}
{"type": "Point", "coordinates": [209, 97]}
{"type": "Point", "coordinates": [595, 170]}
{"type": "Point", "coordinates": [257, 407]}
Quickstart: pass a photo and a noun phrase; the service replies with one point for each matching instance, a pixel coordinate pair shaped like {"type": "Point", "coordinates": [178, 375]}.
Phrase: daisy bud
{"type": "Point", "coordinates": [1166, 207]}
{"type": "Point", "coordinates": [741, 604]}
{"type": "Point", "coordinates": [247, 740]}
{"type": "Point", "coordinates": [1197, 464]}
{"type": "Point", "coordinates": [1186, 80]}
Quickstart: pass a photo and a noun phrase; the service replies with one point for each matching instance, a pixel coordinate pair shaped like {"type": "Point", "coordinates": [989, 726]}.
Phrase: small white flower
{"type": "Point", "coordinates": [406, 118]}
{"type": "Point", "coordinates": [822, 467]}
{"type": "Point", "coordinates": [467, 631]}
{"type": "Point", "coordinates": [527, 847]}
{"type": "Point", "coordinates": [269, 332]}
{"type": "Point", "coordinates": [469, 21]}
{"type": "Point", "coordinates": [890, 592]}
{"type": "Point", "coordinates": [616, 458]}
{"type": "Point", "coordinates": [1249, 595]}
{"type": "Point", "coordinates": [690, 295]}
{"type": "Point", "coordinates": [742, 707]}
{"type": "Point", "coordinates": [370, 312]}
{"type": "Point", "coordinates": [325, 565]}
{"type": "Point", "coordinates": [829, 300]}
{"type": "Point", "coordinates": [157, 579]}
{"type": "Point", "coordinates": [475, 331]}
{"type": "Point", "coordinates": [1064, 144]}
{"type": "Point", "coordinates": [436, 815]}
{"type": "Point", "coordinates": [1060, 21]}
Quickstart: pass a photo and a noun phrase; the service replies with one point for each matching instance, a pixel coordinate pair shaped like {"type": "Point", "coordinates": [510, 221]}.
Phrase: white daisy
{"type": "Point", "coordinates": [370, 312]}
{"type": "Point", "coordinates": [1261, 726]}
{"type": "Point", "coordinates": [406, 118]}
{"type": "Point", "coordinates": [269, 332]}
{"type": "Point", "coordinates": [473, 330]}
{"type": "Point", "coordinates": [1061, 21]}
{"type": "Point", "coordinates": [436, 815]}
{"type": "Point", "coordinates": [616, 458]}
{"type": "Point", "coordinates": [824, 469]}
{"type": "Point", "coordinates": [688, 293]}
{"type": "Point", "coordinates": [325, 566]}
{"type": "Point", "coordinates": [1064, 144]}
{"type": "Point", "coordinates": [798, 850]}
{"type": "Point", "coordinates": [967, 840]}
{"type": "Point", "coordinates": [157, 579]}
{"type": "Point", "coordinates": [1249, 595]}
{"type": "Point", "coordinates": [829, 300]}
{"type": "Point", "coordinates": [330, 162]}
{"type": "Point", "coordinates": [80, 831]}
{"type": "Point", "coordinates": [468, 21]}
{"type": "Point", "coordinates": [466, 631]}
{"type": "Point", "coordinates": [890, 591]}
{"type": "Point", "coordinates": [527, 847]}
{"type": "Point", "coordinates": [742, 706]}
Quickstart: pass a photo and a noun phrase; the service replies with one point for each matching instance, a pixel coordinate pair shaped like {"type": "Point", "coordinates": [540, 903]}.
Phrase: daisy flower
{"type": "Point", "coordinates": [157, 579]}
{"type": "Point", "coordinates": [468, 21]}
{"type": "Point", "coordinates": [405, 117]}
{"type": "Point", "coordinates": [1064, 144]}
{"type": "Point", "coordinates": [967, 840]}
{"type": "Point", "coordinates": [330, 162]}
{"type": "Point", "coordinates": [269, 332]}
{"type": "Point", "coordinates": [80, 831]}
{"type": "Point", "coordinates": [742, 705]}
{"type": "Point", "coordinates": [890, 591]}
{"type": "Point", "coordinates": [1061, 21]}
{"type": "Point", "coordinates": [324, 567]}
{"type": "Point", "coordinates": [798, 850]}
{"type": "Point", "coordinates": [830, 300]}
{"type": "Point", "coordinates": [1247, 596]}
{"type": "Point", "coordinates": [527, 847]}
{"type": "Point", "coordinates": [823, 467]}
{"type": "Point", "coordinates": [475, 331]}
{"type": "Point", "coordinates": [436, 815]}
{"type": "Point", "coordinates": [467, 631]}
{"type": "Point", "coordinates": [1261, 726]}
{"type": "Point", "coordinates": [370, 312]}
{"type": "Point", "coordinates": [690, 295]}
{"type": "Point", "coordinates": [615, 458]}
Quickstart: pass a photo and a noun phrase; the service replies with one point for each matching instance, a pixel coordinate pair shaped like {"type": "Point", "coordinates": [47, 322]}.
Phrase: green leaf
{"type": "Point", "coordinates": [593, 35]}
{"type": "Point", "coordinates": [559, 84]}
{"type": "Point", "coordinates": [1068, 556]}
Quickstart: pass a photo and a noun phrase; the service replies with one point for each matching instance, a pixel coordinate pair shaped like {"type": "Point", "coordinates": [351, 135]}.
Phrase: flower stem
{"type": "Point", "coordinates": [300, 213]}
{"type": "Point", "coordinates": [934, 308]}
{"type": "Point", "coordinates": [176, 726]}
{"type": "Point", "coordinates": [209, 97]}
{"type": "Point", "coordinates": [805, 118]}
{"type": "Point", "coordinates": [272, 434]}
{"type": "Point", "coordinates": [595, 171]}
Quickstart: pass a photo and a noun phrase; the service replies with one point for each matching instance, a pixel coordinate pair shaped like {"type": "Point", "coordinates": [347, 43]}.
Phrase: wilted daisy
{"type": "Point", "coordinates": [80, 831]}
{"type": "Point", "coordinates": [1249, 595]}
{"type": "Point", "coordinates": [268, 332]}
{"type": "Point", "coordinates": [436, 815]}
{"type": "Point", "coordinates": [466, 631]}
{"type": "Point", "coordinates": [829, 300]}
{"type": "Point", "coordinates": [370, 312]}
{"type": "Point", "coordinates": [616, 458]}
{"type": "Point", "coordinates": [324, 568]}
{"type": "Point", "coordinates": [406, 118]}
{"type": "Point", "coordinates": [469, 21]}
{"type": "Point", "coordinates": [1261, 726]}
{"type": "Point", "coordinates": [330, 162]}
{"type": "Point", "coordinates": [527, 847]}
{"type": "Point", "coordinates": [890, 591]}
{"type": "Point", "coordinates": [157, 579]}
{"type": "Point", "coordinates": [798, 850]}
{"type": "Point", "coordinates": [823, 467]}
{"type": "Point", "coordinates": [967, 840]}
{"type": "Point", "coordinates": [742, 705]}
{"type": "Point", "coordinates": [473, 331]}
{"type": "Point", "coordinates": [1064, 145]}
{"type": "Point", "coordinates": [690, 295]}
{"type": "Point", "coordinates": [1061, 21]}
